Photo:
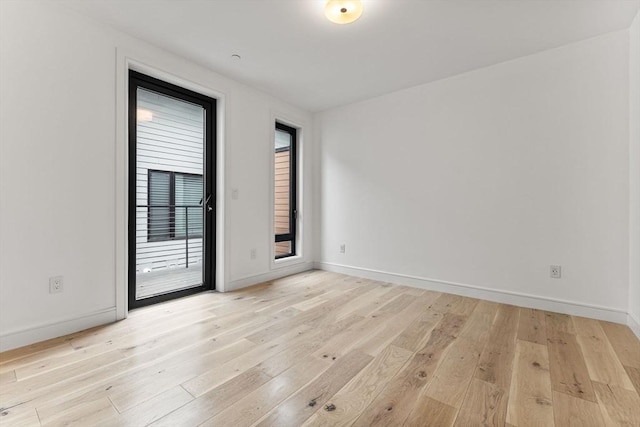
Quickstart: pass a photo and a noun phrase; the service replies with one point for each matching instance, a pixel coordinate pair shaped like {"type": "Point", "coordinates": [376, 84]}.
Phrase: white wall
{"type": "Point", "coordinates": [487, 178]}
{"type": "Point", "coordinates": [634, 174]}
{"type": "Point", "coordinates": [60, 169]}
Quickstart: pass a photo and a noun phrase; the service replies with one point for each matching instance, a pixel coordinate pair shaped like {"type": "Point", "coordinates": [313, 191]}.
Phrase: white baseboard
{"type": "Point", "coordinates": [265, 277]}
{"type": "Point", "coordinates": [634, 324]}
{"type": "Point", "coordinates": [506, 297]}
{"type": "Point", "coordinates": [56, 328]}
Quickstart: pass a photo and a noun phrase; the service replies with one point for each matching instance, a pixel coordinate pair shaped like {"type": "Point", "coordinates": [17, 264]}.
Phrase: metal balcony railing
{"type": "Point", "coordinates": [171, 224]}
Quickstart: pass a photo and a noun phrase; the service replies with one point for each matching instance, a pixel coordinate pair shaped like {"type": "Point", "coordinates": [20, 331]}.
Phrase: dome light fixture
{"type": "Point", "coordinates": [343, 11]}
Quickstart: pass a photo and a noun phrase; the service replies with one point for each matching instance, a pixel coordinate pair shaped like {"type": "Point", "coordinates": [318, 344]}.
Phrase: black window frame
{"type": "Point", "coordinates": [293, 185]}
{"type": "Point", "coordinates": [172, 207]}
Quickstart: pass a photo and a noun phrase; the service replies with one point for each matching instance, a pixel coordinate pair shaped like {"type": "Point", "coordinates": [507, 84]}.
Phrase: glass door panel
{"type": "Point", "coordinates": [171, 196]}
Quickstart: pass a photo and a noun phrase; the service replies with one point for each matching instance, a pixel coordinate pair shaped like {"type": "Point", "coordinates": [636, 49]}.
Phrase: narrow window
{"type": "Point", "coordinates": [285, 208]}
{"type": "Point", "coordinates": [175, 206]}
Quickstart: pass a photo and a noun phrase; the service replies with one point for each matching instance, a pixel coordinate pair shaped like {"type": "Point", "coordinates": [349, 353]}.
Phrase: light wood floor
{"type": "Point", "coordinates": [325, 349]}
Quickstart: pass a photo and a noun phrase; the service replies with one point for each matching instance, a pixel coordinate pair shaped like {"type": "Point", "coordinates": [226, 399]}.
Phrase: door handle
{"type": "Point", "coordinates": [206, 202]}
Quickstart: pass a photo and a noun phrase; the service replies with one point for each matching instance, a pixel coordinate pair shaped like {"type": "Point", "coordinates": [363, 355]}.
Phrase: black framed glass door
{"type": "Point", "coordinates": [171, 191]}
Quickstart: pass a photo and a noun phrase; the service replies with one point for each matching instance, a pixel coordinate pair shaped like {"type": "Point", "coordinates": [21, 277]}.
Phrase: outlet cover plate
{"type": "Point", "coordinates": [56, 284]}
{"type": "Point", "coordinates": [555, 271]}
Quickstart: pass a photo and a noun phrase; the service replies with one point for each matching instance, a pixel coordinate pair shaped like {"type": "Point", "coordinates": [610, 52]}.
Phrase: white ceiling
{"type": "Point", "coordinates": [289, 49]}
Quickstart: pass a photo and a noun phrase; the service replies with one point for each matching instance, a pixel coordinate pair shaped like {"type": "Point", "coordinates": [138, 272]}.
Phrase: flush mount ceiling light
{"type": "Point", "coordinates": [343, 11]}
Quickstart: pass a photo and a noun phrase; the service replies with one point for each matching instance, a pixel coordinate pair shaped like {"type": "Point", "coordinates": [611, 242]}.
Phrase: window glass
{"type": "Point", "coordinates": [285, 210]}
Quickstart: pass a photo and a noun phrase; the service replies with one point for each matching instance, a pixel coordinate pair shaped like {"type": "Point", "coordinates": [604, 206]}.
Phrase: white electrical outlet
{"type": "Point", "coordinates": [253, 253]}
{"type": "Point", "coordinates": [56, 284]}
{"type": "Point", "coordinates": [343, 248]}
{"type": "Point", "coordinates": [234, 194]}
{"type": "Point", "coordinates": [555, 271]}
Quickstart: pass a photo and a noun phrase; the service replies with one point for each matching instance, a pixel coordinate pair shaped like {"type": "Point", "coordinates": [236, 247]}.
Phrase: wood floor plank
{"type": "Point", "coordinates": [300, 406]}
{"type": "Point", "coordinates": [571, 411]}
{"type": "Point", "coordinates": [198, 335]}
{"type": "Point", "coordinates": [149, 382]}
{"type": "Point", "coordinates": [39, 349]}
{"type": "Point", "coordinates": [342, 343]}
{"type": "Point", "coordinates": [285, 301]}
{"type": "Point", "coordinates": [270, 331]}
{"type": "Point", "coordinates": [457, 304]}
{"type": "Point", "coordinates": [485, 404]}
{"type": "Point", "coordinates": [243, 305]}
{"type": "Point", "coordinates": [285, 359]}
{"type": "Point", "coordinates": [634, 376]}
{"type": "Point", "coordinates": [312, 302]}
{"type": "Point", "coordinates": [530, 396]}
{"type": "Point", "coordinates": [415, 335]}
{"type": "Point", "coordinates": [56, 362]}
{"type": "Point", "coordinates": [259, 402]}
{"type": "Point", "coordinates": [558, 323]}
{"type": "Point", "coordinates": [384, 296]}
{"type": "Point", "coordinates": [624, 342]}
{"type": "Point", "coordinates": [532, 326]}
{"type": "Point", "coordinates": [95, 413]}
{"type": "Point", "coordinates": [568, 369]}
{"type": "Point", "coordinates": [155, 408]}
{"type": "Point", "coordinates": [437, 304]}
{"type": "Point", "coordinates": [619, 406]}
{"type": "Point", "coordinates": [602, 362]}
{"type": "Point", "coordinates": [394, 404]}
{"type": "Point", "coordinates": [353, 398]}
{"type": "Point", "coordinates": [374, 343]}
{"type": "Point", "coordinates": [496, 360]}
{"type": "Point", "coordinates": [397, 304]}
{"type": "Point", "coordinates": [587, 327]}
{"type": "Point", "coordinates": [324, 314]}
{"type": "Point", "coordinates": [23, 358]}
{"type": "Point", "coordinates": [215, 400]}
{"type": "Point", "coordinates": [431, 413]}
{"type": "Point", "coordinates": [18, 392]}
{"type": "Point", "coordinates": [144, 382]}
{"type": "Point", "coordinates": [416, 292]}
{"type": "Point", "coordinates": [27, 417]}
{"type": "Point", "coordinates": [210, 379]}
{"type": "Point", "coordinates": [451, 379]}
{"type": "Point", "coordinates": [478, 327]}
{"type": "Point", "coordinates": [119, 334]}
{"type": "Point", "coordinates": [7, 377]}
{"type": "Point", "coordinates": [369, 302]}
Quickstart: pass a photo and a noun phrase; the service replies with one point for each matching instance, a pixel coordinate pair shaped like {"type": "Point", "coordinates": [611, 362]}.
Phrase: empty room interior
{"type": "Point", "coordinates": [320, 213]}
